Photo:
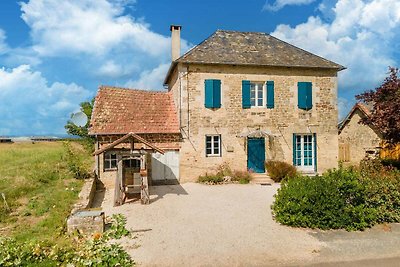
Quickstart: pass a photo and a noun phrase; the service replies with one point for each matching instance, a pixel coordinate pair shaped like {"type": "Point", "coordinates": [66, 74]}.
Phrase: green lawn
{"type": "Point", "coordinates": [39, 189]}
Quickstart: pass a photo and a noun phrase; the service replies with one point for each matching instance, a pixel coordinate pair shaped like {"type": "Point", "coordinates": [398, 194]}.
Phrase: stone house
{"type": "Point", "coordinates": [358, 141]}
{"type": "Point", "coordinates": [240, 98]}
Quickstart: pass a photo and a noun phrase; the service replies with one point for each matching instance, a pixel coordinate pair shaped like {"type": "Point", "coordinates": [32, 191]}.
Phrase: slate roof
{"type": "Point", "coordinates": [251, 48]}
{"type": "Point", "coordinates": [121, 111]}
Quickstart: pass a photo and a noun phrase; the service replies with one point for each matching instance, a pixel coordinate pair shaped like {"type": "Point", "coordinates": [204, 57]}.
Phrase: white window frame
{"type": "Point", "coordinates": [108, 160]}
{"type": "Point", "coordinates": [257, 87]}
{"type": "Point", "coordinates": [303, 167]}
{"type": "Point", "coordinates": [213, 137]}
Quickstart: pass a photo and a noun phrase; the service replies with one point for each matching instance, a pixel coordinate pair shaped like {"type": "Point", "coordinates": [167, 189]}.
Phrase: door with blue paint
{"type": "Point", "coordinates": [256, 155]}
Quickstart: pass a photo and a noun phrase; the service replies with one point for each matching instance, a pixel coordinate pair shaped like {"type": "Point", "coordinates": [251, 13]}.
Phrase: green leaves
{"type": "Point", "coordinates": [340, 198]}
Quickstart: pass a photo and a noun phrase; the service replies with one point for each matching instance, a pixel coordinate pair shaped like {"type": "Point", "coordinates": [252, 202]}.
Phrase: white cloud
{"type": "Point", "coordinates": [3, 45]}
{"type": "Point", "coordinates": [360, 37]}
{"type": "Point", "coordinates": [34, 106]}
{"type": "Point", "coordinates": [150, 79]}
{"type": "Point", "coordinates": [279, 4]}
{"type": "Point", "coordinates": [87, 26]}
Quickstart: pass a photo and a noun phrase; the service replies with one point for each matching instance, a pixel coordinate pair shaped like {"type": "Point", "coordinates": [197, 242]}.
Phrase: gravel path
{"type": "Point", "coordinates": [231, 225]}
{"type": "Point", "coordinates": [199, 225]}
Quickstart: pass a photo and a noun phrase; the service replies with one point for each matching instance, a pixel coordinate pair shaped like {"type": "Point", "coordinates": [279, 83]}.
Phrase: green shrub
{"type": "Point", "coordinates": [278, 170]}
{"type": "Point", "coordinates": [95, 251]}
{"type": "Point", "coordinates": [242, 177]}
{"type": "Point", "coordinates": [75, 163]}
{"type": "Point", "coordinates": [342, 198]}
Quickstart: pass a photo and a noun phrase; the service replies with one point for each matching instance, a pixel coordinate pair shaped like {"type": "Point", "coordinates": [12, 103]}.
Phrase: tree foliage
{"type": "Point", "coordinates": [385, 115]}
{"type": "Point", "coordinates": [82, 131]}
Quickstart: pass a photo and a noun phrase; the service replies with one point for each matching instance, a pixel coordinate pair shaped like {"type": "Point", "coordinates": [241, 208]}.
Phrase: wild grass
{"type": "Point", "coordinates": [39, 189]}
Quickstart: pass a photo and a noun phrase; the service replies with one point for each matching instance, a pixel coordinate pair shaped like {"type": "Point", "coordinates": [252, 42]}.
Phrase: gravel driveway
{"type": "Point", "coordinates": [230, 225]}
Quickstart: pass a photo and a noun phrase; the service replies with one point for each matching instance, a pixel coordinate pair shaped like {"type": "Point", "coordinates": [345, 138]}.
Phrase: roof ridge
{"type": "Point", "coordinates": [236, 31]}
{"type": "Point", "coordinates": [342, 67]}
{"type": "Point", "coordinates": [131, 89]}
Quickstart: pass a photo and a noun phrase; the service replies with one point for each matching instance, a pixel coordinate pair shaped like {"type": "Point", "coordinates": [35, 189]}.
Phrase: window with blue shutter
{"type": "Point", "coordinates": [246, 103]}
{"type": "Point", "coordinates": [212, 93]}
{"type": "Point", "coordinates": [304, 95]}
{"type": "Point", "coordinates": [270, 94]}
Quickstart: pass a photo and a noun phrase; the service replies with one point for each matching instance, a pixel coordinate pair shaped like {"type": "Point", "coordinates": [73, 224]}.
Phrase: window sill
{"type": "Point", "coordinates": [213, 156]}
{"type": "Point", "coordinates": [110, 170]}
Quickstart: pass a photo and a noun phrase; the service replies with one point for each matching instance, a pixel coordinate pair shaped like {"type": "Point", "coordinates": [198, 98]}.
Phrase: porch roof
{"type": "Point", "coordinates": [126, 137]}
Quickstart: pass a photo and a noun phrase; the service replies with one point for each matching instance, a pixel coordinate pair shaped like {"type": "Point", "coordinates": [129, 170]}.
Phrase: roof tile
{"type": "Point", "coordinates": [121, 110]}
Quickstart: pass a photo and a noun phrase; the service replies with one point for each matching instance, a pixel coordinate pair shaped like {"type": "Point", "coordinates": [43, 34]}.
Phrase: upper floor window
{"type": "Point", "coordinates": [304, 95]}
{"type": "Point", "coordinates": [213, 145]}
{"type": "Point", "coordinates": [258, 94]}
{"type": "Point", "coordinates": [212, 93]}
{"type": "Point", "coordinates": [110, 161]}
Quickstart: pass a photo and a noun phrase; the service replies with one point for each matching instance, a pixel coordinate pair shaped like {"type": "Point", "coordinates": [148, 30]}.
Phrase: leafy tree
{"type": "Point", "coordinates": [82, 131]}
{"type": "Point", "coordinates": [385, 115]}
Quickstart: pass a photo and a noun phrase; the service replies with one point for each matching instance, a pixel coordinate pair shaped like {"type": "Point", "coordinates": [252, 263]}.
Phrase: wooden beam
{"type": "Point", "coordinates": [126, 137]}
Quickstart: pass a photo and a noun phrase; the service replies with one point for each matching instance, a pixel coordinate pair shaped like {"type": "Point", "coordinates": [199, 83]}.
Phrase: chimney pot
{"type": "Point", "coordinates": [175, 41]}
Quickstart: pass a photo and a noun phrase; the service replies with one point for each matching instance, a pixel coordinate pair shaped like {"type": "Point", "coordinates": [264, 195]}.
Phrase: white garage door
{"type": "Point", "coordinates": [165, 168]}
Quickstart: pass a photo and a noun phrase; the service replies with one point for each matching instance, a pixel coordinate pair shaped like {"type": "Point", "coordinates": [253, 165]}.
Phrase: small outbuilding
{"type": "Point", "coordinates": [137, 140]}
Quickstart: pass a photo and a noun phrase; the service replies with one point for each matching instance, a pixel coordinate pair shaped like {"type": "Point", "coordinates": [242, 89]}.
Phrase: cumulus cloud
{"type": "Point", "coordinates": [150, 79]}
{"type": "Point", "coordinates": [87, 26]}
{"type": "Point", "coordinates": [360, 36]}
{"type": "Point", "coordinates": [3, 45]}
{"type": "Point", "coordinates": [32, 105]}
{"type": "Point", "coordinates": [279, 4]}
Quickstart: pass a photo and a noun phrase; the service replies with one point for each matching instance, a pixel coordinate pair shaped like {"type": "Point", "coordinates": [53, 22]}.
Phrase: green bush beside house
{"type": "Point", "coordinates": [344, 198]}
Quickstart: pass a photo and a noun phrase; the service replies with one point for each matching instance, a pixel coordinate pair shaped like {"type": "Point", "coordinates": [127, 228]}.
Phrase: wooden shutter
{"type": "Point", "coordinates": [270, 94]}
{"type": "Point", "coordinates": [308, 95]}
{"type": "Point", "coordinates": [301, 95]}
{"type": "Point", "coordinates": [315, 151]}
{"type": "Point", "coordinates": [216, 93]}
{"type": "Point", "coordinates": [209, 85]}
{"type": "Point", "coordinates": [246, 94]}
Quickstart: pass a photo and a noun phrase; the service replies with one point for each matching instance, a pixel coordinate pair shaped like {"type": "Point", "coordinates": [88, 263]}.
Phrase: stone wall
{"type": "Point", "coordinates": [360, 138]}
{"type": "Point", "coordinates": [231, 119]}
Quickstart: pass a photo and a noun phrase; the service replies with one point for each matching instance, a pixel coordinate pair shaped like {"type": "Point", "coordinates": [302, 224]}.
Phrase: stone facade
{"type": "Point", "coordinates": [231, 120]}
{"type": "Point", "coordinates": [360, 139]}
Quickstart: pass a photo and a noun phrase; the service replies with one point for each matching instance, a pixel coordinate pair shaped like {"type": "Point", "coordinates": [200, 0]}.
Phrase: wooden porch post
{"type": "Point", "coordinates": [144, 189]}
{"type": "Point", "coordinates": [118, 191]}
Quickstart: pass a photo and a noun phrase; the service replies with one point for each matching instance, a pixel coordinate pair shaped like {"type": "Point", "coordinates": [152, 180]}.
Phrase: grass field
{"type": "Point", "coordinates": [39, 189]}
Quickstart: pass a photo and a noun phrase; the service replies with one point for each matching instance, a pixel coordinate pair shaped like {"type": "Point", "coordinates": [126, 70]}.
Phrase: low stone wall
{"type": "Point", "coordinates": [86, 196]}
{"type": "Point", "coordinates": [82, 219]}
{"type": "Point", "coordinates": [86, 222]}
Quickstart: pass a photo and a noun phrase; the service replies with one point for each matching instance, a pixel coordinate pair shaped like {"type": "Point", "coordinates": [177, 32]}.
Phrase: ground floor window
{"type": "Point", "coordinates": [213, 145]}
{"type": "Point", "coordinates": [304, 151]}
{"type": "Point", "coordinates": [110, 161]}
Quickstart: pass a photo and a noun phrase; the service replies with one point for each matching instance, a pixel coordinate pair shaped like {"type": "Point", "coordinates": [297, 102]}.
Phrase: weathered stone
{"type": "Point", "coordinates": [86, 222]}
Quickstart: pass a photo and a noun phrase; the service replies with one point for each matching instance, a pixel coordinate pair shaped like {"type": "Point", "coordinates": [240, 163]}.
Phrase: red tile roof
{"type": "Point", "coordinates": [122, 111]}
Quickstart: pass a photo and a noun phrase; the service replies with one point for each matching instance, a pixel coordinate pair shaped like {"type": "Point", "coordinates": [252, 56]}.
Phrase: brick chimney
{"type": "Point", "coordinates": [175, 41]}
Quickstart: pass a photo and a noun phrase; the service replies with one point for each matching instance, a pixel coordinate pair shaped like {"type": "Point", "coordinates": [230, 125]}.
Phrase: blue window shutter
{"type": "Point", "coordinates": [315, 151]}
{"type": "Point", "coordinates": [302, 95]}
{"type": "Point", "coordinates": [309, 95]}
{"type": "Point", "coordinates": [208, 85]}
{"type": "Point", "coordinates": [270, 94]}
{"type": "Point", "coordinates": [246, 94]}
{"type": "Point", "coordinates": [294, 149]}
{"type": "Point", "coordinates": [217, 93]}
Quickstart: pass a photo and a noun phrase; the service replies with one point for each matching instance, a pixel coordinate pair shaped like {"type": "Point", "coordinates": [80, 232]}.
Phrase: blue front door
{"type": "Point", "coordinates": [256, 154]}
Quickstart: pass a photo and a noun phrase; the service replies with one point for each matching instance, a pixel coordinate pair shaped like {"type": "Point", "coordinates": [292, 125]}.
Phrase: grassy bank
{"type": "Point", "coordinates": [39, 189]}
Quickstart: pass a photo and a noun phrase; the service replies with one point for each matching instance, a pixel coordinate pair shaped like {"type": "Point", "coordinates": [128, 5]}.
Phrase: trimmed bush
{"type": "Point", "coordinates": [242, 177]}
{"type": "Point", "coordinates": [279, 170]}
{"type": "Point", "coordinates": [352, 199]}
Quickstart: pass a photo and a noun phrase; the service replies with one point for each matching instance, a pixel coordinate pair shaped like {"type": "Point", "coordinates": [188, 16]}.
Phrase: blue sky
{"type": "Point", "coordinates": [54, 54]}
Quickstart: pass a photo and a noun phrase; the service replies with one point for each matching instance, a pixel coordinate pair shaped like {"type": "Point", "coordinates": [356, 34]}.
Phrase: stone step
{"type": "Point", "coordinates": [261, 178]}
